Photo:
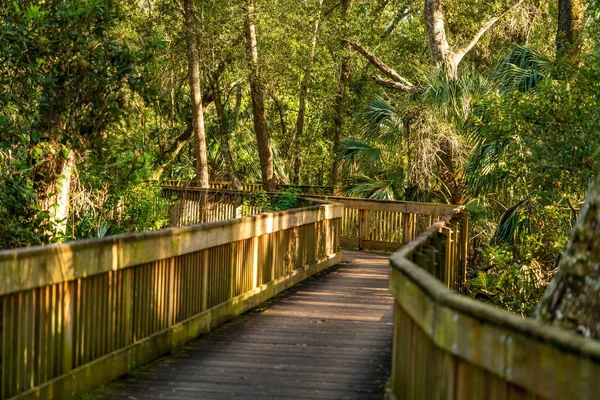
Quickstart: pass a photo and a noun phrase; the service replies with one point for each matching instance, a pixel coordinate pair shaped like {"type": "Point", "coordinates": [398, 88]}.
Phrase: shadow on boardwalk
{"type": "Point", "coordinates": [327, 338]}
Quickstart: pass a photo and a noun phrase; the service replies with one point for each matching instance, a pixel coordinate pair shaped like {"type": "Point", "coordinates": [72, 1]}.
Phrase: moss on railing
{"type": "Point", "coordinates": [447, 345]}
{"type": "Point", "coordinates": [77, 315]}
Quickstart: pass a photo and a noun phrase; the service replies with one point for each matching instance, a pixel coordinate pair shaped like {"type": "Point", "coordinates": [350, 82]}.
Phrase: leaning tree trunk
{"type": "Point", "coordinates": [196, 93]}
{"type": "Point", "coordinates": [570, 29]}
{"type": "Point", "coordinates": [338, 119]}
{"type": "Point", "coordinates": [258, 100]}
{"type": "Point", "coordinates": [224, 135]}
{"type": "Point", "coordinates": [572, 301]}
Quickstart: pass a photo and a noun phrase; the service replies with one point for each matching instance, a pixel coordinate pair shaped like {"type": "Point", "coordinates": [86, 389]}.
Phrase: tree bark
{"type": "Point", "coordinates": [397, 82]}
{"type": "Point", "coordinates": [572, 301]}
{"type": "Point", "coordinates": [439, 47]}
{"type": "Point", "coordinates": [258, 100]}
{"type": "Point", "coordinates": [338, 119]}
{"type": "Point", "coordinates": [224, 135]}
{"type": "Point", "coordinates": [570, 29]}
{"type": "Point", "coordinates": [196, 93]}
{"type": "Point", "coordinates": [302, 97]}
{"type": "Point", "coordinates": [441, 52]}
{"type": "Point", "coordinates": [53, 186]}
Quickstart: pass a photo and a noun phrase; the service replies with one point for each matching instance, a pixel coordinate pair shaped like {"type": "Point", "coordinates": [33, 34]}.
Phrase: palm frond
{"type": "Point", "coordinates": [364, 186]}
{"type": "Point", "coordinates": [353, 152]}
{"type": "Point", "coordinates": [523, 69]}
{"type": "Point", "coordinates": [382, 122]}
{"type": "Point", "coordinates": [453, 98]}
{"type": "Point", "coordinates": [513, 222]}
{"type": "Point", "coordinates": [484, 174]}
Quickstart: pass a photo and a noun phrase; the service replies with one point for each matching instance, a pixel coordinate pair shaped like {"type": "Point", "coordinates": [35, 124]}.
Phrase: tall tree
{"type": "Point", "coordinates": [191, 33]}
{"type": "Point", "coordinates": [299, 128]}
{"type": "Point", "coordinates": [223, 123]}
{"type": "Point", "coordinates": [569, 35]}
{"type": "Point", "coordinates": [263, 138]}
{"type": "Point", "coordinates": [338, 118]}
{"type": "Point", "coordinates": [441, 52]}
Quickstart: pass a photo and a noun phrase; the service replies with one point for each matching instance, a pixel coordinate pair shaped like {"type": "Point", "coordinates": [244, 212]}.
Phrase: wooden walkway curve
{"type": "Point", "coordinates": [326, 338]}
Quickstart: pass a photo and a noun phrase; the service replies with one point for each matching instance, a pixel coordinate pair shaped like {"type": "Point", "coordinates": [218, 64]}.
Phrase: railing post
{"type": "Point", "coordinates": [464, 240]}
{"type": "Point", "coordinates": [363, 228]}
{"type": "Point", "coordinates": [205, 266]}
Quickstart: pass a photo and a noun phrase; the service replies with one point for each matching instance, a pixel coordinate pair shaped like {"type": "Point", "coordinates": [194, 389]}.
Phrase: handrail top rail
{"type": "Point", "coordinates": [37, 266]}
{"type": "Point", "coordinates": [412, 246]}
{"type": "Point", "coordinates": [316, 196]}
{"type": "Point", "coordinates": [196, 189]}
{"type": "Point", "coordinates": [325, 197]}
{"type": "Point", "coordinates": [565, 340]}
{"type": "Point", "coordinates": [452, 206]}
{"type": "Point", "coordinates": [291, 185]}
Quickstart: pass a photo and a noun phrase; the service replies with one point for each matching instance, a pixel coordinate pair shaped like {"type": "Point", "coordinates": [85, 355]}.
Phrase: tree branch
{"type": "Point", "coordinates": [393, 84]}
{"type": "Point", "coordinates": [398, 82]}
{"type": "Point", "coordinates": [462, 52]}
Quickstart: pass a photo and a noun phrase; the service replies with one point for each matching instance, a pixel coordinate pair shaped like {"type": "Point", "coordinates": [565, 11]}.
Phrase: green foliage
{"type": "Point", "coordinates": [63, 71]}
{"type": "Point", "coordinates": [132, 208]}
{"type": "Point", "coordinates": [260, 201]}
{"type": "Point", "coordinates": [23, 222]}
{"type": "Point", "coordinates": [536, 149]}
{"type": "Point", "coordinates": [285, 200]}
{"type": "Point", "coordinates": [257, 200]}
{"type": "Point", "coordinates": [507, 283]}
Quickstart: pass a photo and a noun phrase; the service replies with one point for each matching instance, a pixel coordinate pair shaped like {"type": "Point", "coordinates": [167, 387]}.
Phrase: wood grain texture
{"type": "Point", "coordinates": [329, 337]}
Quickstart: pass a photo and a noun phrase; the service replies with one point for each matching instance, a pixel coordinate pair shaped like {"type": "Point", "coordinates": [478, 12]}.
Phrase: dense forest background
{"type": "Point", "coordinates": [492, 104]}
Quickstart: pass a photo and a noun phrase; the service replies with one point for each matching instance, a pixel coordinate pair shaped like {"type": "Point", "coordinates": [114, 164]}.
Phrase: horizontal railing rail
{"type": "Point", "coordinates": [77, 315]}
{"type": "Point", "coordinates": [251, 187]}
{"type": "Point", "coordinates": [384, 224]}
{"type": "Point", "coordinates": [196, 205]}
{"type": "Point", "coordinates": [447, 345]}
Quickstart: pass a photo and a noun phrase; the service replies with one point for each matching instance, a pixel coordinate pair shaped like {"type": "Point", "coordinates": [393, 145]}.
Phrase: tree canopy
{"type": "Point", "coordinates": [490, 104]}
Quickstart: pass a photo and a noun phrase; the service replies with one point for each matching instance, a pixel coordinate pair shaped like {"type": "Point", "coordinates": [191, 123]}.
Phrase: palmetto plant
{"type": "Point", "coordinates": [375, 162]}
{"type": "Point", "coordinates": [489, 173]}
{"type": "Point", "coordinates": [420, 139]}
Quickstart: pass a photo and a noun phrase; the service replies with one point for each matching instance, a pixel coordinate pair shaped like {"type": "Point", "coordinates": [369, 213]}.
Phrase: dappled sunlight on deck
{"type": "Point", "coordinates": [329, 337]}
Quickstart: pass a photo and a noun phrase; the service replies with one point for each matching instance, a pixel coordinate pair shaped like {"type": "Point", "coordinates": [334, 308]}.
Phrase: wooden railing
{"type": "Point", "coordinates": [366, 224]}
{"type": "Point", "coordinates": [252, 187]}
{"type": "Point", "coordinates": [384, 225]}
{"type": "Point", "coordinates": [77, 315]}
{"type": "Point", "coordinates": [450, 346]}
{"type": "Point", "coordinates": [195, 206]}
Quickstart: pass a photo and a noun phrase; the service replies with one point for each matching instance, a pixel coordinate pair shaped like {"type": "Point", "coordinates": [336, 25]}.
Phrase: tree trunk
{"type": "Point", "coordinates": [224, 135]}
{"type": "Point", "coordinates": [299, 128]}
{"type": "Point", "coordinates": [53, 186]}
{"type": "Point", "coordinates": [258, 100]}
{"type": "Point", "coordinates": [570, 29]}
{"type": "Point", "coordinates": [572, 301]}
{"type": "Point", "coordinates": [338, 119]}
{"type": "Point", "coordinates": [196, 93]}
{"type": "Point", "coordinates": [438, 42]}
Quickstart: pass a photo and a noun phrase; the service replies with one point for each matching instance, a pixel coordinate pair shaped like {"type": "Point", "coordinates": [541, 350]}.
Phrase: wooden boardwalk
{"type": "Point", "coordinates": [327, 338]}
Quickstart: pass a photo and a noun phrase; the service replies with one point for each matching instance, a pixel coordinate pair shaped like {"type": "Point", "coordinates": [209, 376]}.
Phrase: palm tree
{"type": "Point", "coordinates": [421, 140]}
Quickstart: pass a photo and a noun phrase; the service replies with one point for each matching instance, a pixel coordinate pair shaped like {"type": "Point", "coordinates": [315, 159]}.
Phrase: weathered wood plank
{"type": "Point", "coordinates": [295, 354]}
{"type": "Point", "coordinates": [28, 268]}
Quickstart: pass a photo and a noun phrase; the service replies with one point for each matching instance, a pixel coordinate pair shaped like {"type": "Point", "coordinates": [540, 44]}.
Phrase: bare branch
{"type": "Point", "coordinates": [397, 82]}
{"type": "Point", "coordinates": [393, 84]}
{"type": "Point", "coordinates": [462, 52]}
